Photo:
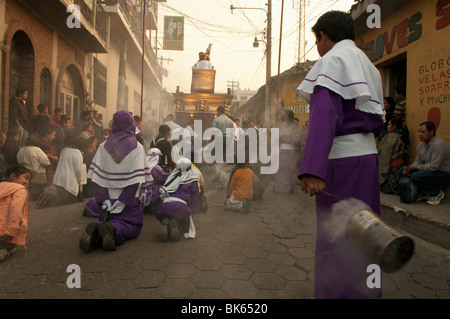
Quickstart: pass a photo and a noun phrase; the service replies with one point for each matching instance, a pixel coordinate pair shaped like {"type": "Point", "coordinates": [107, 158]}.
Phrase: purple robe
{"type": "Point", "coordinates": [125, 168]}
{"type": "Point", "coordinates": [129, 222]}
{"type": "Point", "coordinates": [340, 268]}
{"type": "Point", "coordinates": [150, 190]}
{"type": "Point", "coordinates": [93, 209]}
{"type": "Point", "coordinates": [179, 211]}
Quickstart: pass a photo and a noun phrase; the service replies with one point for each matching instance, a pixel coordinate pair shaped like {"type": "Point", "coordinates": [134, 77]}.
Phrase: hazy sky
{"type": "Point", "coordinates": [232, 35]}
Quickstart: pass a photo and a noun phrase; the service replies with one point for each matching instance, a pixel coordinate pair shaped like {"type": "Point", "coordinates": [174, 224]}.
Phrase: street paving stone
{"type": "Point", "coordinates": [267, 253]}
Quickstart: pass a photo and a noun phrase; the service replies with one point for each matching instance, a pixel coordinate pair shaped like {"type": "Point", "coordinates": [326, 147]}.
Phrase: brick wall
{"type": "Point", "coordinates": [19, 18]}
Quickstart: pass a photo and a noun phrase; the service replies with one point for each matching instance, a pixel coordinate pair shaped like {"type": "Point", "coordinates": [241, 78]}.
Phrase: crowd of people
{"type": "Point", "coordinates": [429, 171]}
{"type": "Point", "coordinates": [42, 146]}
{"type": "Point", "coordinates": [51, 160]}
{"type": "Point", "coordinates": [48, 156]}
{"type": "Point", "coordinates": [108, 166]}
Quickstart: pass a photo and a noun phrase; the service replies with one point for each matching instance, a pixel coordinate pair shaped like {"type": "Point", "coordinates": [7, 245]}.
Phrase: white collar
{"type": "Point", "coordinates": [347, 70]}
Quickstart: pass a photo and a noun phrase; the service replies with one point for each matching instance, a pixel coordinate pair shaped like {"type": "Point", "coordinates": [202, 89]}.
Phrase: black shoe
{"type": "Point", "coordinates": [107, 231]}
{"type": "Point", "coordinates": [90, 239]}
{"type": "Point", "coordinates": [174, 230]}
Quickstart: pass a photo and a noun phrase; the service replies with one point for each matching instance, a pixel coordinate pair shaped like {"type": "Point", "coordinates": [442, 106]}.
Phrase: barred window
{"type": "Point", "coordinates": [99, 83]}
{"type": "Point", "coordinates": [45, 94]}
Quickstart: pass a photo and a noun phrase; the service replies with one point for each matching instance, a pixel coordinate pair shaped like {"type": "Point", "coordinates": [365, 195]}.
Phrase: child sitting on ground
{"type": "Point", "coordinates": [13, 210]}
{"type": "Point", "coordinates": [240, 189]}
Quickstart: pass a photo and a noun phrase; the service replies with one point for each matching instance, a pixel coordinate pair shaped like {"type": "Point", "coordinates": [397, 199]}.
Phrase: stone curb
{"type": "Point", "coordinates": [419, 225]}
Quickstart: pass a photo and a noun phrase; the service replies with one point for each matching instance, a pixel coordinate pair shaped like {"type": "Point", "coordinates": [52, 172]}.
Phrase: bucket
{"type": "Point", "coordinates": [385, 246]}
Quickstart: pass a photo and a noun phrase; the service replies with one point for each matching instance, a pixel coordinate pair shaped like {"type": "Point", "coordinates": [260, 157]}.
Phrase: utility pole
{"type": "Point", "coordinates": [269, 62]}
{"type": "Point", "coordinates": [143, 56]}
{"type": "Point", "coordinates": [164, 59]}
{"type": "Point", "coordinates": [266, 112]}
{"type": "Point", "coordinates": [301, 31]}
{"type": "Point", "coordinates": [234, 85]}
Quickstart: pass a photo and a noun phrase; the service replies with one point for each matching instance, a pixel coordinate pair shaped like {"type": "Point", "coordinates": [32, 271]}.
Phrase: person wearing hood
{"type": "Point", "coordinates": [117, 171]}
{"type": "Point", "coordinates": [150, 190]}
{"type": "Point", "coordinates": [180, 200]}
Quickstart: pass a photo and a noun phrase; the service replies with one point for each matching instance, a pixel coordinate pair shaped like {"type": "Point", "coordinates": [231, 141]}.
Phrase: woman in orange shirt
{"type": "Point", "coordinates": [240, 188]}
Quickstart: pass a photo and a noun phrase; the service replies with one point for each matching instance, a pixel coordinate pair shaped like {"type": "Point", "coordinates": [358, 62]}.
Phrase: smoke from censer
{"type": "Point", "coordinates": [354, 220]}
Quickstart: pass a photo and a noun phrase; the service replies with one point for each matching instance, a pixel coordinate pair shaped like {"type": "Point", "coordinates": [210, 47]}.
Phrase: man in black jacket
{"type": "Point", "coordinates": [161, 142]}
{"type": "Point", "coordinates": [18, 114]}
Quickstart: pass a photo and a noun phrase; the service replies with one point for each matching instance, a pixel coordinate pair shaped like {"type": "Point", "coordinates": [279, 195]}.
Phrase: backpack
{"type": "Point", "coordinates": [407, 190]}
{"type": "Point", "coordinates": [391, 184]}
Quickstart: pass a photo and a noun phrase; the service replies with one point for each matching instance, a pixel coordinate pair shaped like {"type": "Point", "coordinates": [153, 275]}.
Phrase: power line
{"type": "Point", "coordinates": [219, 28]}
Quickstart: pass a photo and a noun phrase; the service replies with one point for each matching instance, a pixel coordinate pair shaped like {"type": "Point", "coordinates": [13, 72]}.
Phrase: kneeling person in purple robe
{"type": "Point", "coordinates": [150, 190]}
{"type": "Point", "coordinates": [117, 171]}
{"type": "Point", "coordinates": [180, 199]}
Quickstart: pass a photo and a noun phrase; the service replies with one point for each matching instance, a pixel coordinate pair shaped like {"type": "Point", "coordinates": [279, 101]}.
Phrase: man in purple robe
{"type": "Point", "coordinates": [340, 158]}
{"type": "Point", "coordinates": [117, 171]}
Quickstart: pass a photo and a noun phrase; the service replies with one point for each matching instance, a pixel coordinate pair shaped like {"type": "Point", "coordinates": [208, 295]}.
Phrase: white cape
{"type": "Point", "coordinates": [133, 169]}
{"type": "Point", "coordinates": [346, 70]}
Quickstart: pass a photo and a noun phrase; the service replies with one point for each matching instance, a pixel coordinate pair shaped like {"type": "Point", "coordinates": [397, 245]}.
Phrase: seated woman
{"type": "Point", "coordinates": [88, 155]}
{"type": "Point", "coordinates": [391, 156]}
{"type": "Point", "coordinates": [180, 198]}
{"type": "Point", "coordinates": [150, 190]}
{"type": "Point", "coordinates": [45, 142]}
{"type": "Point", "coordinates": [69, 177]}
{"type": "Point", "coordinates": [36, 161]}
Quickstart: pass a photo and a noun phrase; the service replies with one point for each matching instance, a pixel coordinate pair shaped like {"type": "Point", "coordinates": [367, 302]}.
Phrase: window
{"type": "Point", "coordinates": [70, 104]}
{"type": "Point", "coordinates": [99, 83]}
{"type": "Point", "coordinates": [45, 94]}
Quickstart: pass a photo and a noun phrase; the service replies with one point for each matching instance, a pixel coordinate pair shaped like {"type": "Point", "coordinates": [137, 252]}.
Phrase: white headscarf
{"type": "Point", "coordinates": [182, 174]}
{"type": "Point", "coordinates": [152, 157]}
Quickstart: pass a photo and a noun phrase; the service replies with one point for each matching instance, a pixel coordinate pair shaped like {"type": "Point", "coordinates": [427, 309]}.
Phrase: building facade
{"type": "Point", "coordinates": [80, 55]}
{"type": "Point", "coordinates": [283, 96]}
{"type": "Point", "coordinates": [411, 46]}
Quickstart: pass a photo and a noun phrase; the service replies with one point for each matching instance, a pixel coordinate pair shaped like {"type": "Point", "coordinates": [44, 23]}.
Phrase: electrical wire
{"type": "Point", "coordinates": [203, 26]}
{"type": "Point", "coordinates": [218, 28]}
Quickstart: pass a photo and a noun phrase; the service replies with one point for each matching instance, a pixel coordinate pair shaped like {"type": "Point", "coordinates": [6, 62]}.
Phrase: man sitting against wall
{"type": "Point", "coordinates": [430, 171]}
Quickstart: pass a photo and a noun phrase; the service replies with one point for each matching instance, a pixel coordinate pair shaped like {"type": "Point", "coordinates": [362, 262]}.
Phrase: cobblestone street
{"type": "Point", "coordinates": [265, 254]}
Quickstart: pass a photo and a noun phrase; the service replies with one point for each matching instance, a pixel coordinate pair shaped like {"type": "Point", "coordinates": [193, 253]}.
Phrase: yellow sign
{"type": "Point", "coordinates": [173, 33]}
{"type": "Point", "coordinates": [297, 104]}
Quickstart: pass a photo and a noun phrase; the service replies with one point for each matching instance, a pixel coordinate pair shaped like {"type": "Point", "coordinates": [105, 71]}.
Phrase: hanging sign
{"type": "Point", "coordinates": [173, 33]}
